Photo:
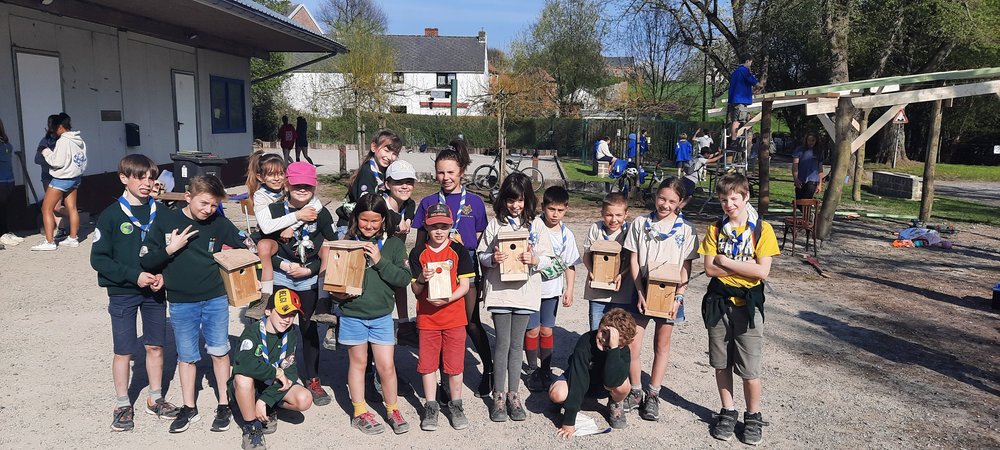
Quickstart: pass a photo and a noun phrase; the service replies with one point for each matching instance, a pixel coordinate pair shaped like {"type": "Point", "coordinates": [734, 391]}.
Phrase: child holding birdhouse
{"type": "Point", "coordinates": [512, 251]}
{"type": "Point", "coordinates": [615, 289]}
{"type": "Point", "coordinates": [662, 246]}
{"type": "Point", "coordinates": [442, 271]}
{"type": "Point", "coordinates": [738, 250]}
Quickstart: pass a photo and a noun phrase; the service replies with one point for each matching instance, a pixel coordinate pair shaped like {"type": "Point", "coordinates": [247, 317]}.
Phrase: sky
{"type": "Point", "coordinates": [502, 19]}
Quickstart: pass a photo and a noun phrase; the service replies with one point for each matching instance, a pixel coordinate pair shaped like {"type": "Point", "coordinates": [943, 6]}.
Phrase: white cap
{"type": "Point", "coordinates": [400, 170]}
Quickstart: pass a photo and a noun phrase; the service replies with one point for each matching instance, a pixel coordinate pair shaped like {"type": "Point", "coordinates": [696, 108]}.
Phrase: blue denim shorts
{"type": "Point", "coordinates": [124, 309]}
{"type": "Point", "coordinates": [210, 318]}
{"type": "Point", "coordinates": [546, 314]}
{"type": "Point", "coordinates": [599, 309]}
{"type": "Point", "coordinates": [65, 184]}
{"type": "Point", "coordinates": [355, 331]}
{"type": "Point", "coordinates": [659, 320]}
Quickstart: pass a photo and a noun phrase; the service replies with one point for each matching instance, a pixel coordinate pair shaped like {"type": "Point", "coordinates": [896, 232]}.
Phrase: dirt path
{"type": "Point", "coordinates": [897, 350]}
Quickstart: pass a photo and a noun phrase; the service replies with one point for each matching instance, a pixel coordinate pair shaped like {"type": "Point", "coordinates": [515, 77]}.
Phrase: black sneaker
{"type": "Point", "coordinates": [253, 437]}
{"type": "Point", "coordinates": [429, 422]}
{"type": "Point", "coordinates": [498, 411]}
{"type": "Point", "coordinates": [185, 417]}
{"type": "Point", "coordinates": [753, 428]}
{"type": "Point", "coordinates": [456, 415]}
{"type": "Point", "coordinates": [123, 419]}
{"type": "Point", "coordinates": [223, 416]}
{"type": "Point", "coordinates": [485, 385]}
{"type": "Point", "coordinates": [616, 415]}
{"type": "Point", "coordinates": [406, 334]}
{"type": "Point", "coordinates": [632, 401]}
{"type": "Point", "coordinates": [535, 381]}
{"type": "Point", "coordinates": [650, 407]}
{"type": "Point", "coordinates": [514, 408]}
{"type": "Point", "coordinates": [725, 424]}
{"type": "Point", "coordinates": [272, 422]}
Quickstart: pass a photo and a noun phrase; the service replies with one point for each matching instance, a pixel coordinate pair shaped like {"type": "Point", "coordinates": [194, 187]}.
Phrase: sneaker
{"type": "Point", "coordinates": [650, 407]}
{"type": "Point", "coordinates": [10, 239]}
{"type": "Point", "coordinates": [320, 397]}
{"type": "Point", "coordinates": [162, 409]}
{"type": "Point", "coordinates": [407, 335]}
{"type": "Point", "coordinates": [185, 417]}
{"type": "Point", "coordinates": [456, 415]}
{"type": "Point", "coordinates": [632, 400]}
{"type": "Point", "coordinates": [367, 423]}
{"type": "Point", "coordinates": [514, 408]}
{"type": "Point", "coordinates": [429, 422]}
{"type": "Point", "coordinates": [725, 424]}
{"type": "Point", "coordinates": [253, 437]}
{"type": "Point", "coordinates": [753, 428]}
{"type": "Point", "coordinates": [535, 382]}
{"type": "Point", "coordinates": [616, 415]}
{"type": "Point", "coordinates": [255, 311]}
{"type": "Point", "coordinates": [70, 242]}
{"type": "Point", "coordinates": [60, 233]}
{"type": "Point", "coordinates": [45, 246]}
{"type": "Point", "coordinates": [498, 412]}
{"type": "Point", "coordinates": [330, 341]}
{"type": "Point", "coordinates": [398, 424]}
{"type": "Point", "coordinates": [485, 388]}
{"type": "Point", "coordinates": [123, 419]}
{"type": "Point", "coordinates": [223, 415]}
{"type": "Point", "coordinates": [272, 422]}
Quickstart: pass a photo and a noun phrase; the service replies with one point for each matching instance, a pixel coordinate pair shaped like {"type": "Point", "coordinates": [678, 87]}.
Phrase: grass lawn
{"type": "Point", "coordinates": [949, 172]}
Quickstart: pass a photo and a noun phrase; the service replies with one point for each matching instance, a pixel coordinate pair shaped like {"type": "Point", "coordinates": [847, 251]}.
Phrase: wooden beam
{"type": "Point", "coordinates": [764, 159]}
{"type": "Point", "coordinates": [756, 106]}
{"type": "Point", "coordinates": [927, 95]}
{"type": "Point", "coordinates": [821, 106]}
{"type": "Point", "coordinates": [875, 126]}
{"type": "Point", "coordinates": [986, 72]}
{"type": "Point", "coordinates": [748, 125]}
{"type": "Point", "coordinates": [831, 129]}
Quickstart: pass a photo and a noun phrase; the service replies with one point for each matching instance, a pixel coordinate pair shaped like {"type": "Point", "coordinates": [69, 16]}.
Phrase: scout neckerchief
{"type": "Point", "coordinates": [739, 244]}
{"type": "Point", "coordinates": [607, 235]}
{"type": "Point", "coordinates": [303, 243]}
{"type": "Point", "coordinates": [457, 212]}
{"type": "Point", "coordinates": [656, 235]}
{"type": "Point", "coordinates": [273, 195]}
{"type": "Point", "coordinates": [127, 209]}
{"type": "Point", "coordinates": [381, 241]}
{"type": "Point", "coordinates": [376, 173]}
{"type": "Point", "coordinates": [532, 234]}
{"type": "Point", "coordinates": [263, 344]}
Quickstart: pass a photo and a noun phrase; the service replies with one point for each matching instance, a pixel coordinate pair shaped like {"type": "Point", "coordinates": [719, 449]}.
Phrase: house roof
{"type": "Point", "coordinates": [302, 16]}
{"type": "Point", "coordinates": [426, 54]}
{"type": "Point", "coordinates": [241, 27]}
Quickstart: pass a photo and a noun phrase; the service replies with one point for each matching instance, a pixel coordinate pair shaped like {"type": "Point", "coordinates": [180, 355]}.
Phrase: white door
{"type": "Point", "coordinates": [39, 91]}
{"type": "Point", "coordinates": [185, 112]}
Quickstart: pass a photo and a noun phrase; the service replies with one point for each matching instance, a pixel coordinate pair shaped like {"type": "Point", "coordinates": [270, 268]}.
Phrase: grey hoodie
{"type": "Point", "coordinates": [69, 158]}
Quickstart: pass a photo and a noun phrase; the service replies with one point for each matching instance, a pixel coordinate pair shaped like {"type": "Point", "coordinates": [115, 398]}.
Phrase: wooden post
{"type": "Point", "coordinates": [930, 162]}
{"type": "Point", "coordinates": [764, 158]}
{"type": "Point", "coordinates": [343, 160]}
{"type": "Point", "coordinates": [859, 161]}
{"type": "Point", "coordinates": [831, 199]}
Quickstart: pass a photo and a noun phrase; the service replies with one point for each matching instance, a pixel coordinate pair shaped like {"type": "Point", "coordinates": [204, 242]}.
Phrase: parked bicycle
{"type": "Point", "coordinates": [631, 181]}
{"type": "Point", "coordinates": [487, 176]}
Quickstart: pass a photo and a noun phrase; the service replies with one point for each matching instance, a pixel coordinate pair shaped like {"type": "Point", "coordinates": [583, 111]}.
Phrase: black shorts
{"type": "Point", "coordinates": [124, 309]}
{"type": "Point", "coordinates": [737, 113]}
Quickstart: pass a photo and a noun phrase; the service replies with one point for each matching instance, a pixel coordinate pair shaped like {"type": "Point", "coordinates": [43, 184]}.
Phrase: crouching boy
{"type": "Point", "coordinates": [600, 361]}
{"type": "Point", "coordinates": [264, 372]}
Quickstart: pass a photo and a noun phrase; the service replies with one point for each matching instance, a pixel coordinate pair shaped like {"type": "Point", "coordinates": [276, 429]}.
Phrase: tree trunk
{"type": "Point", "coordinates": [831, 199]}
{"type": "Point", "coordinates": [360, 132]}
{"type": "Point", "coordinates": [859, 160]}
{"type": "Point", "coordinates": [764, 158]}
{"type": "Point", "coordinates": [927, 195]}
{"type": "Point", "coordinates": [893, 141]}
{"type": "Point", "coordinates": [502, 142]}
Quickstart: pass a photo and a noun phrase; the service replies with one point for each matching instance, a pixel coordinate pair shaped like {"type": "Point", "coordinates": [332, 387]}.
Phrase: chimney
{"type": "Point", "coordinates": [482, 36]}
{"type": "Point", "coordinates": [430, 32]}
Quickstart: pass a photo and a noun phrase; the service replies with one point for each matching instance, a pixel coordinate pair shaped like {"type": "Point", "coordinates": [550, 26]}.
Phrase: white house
{"type": "Point", "coordinates": [178, 69]}
{"type": "Point", "coordinates": [424, 68]}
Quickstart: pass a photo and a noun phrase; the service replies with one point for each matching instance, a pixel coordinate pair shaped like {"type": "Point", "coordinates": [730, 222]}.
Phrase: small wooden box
{"type": "Point", "coordinates": [606, 263]}
{"type": "Point", "coordinates": [439, 286]}
{"type": "Point", "coordinates": [345, 268]}
{"type": "Point", "coordinates": [660, 290]}
{"type": "Point", "coordinates": [238, 268]}
{"type": "Point", "coordinates": [513, 243]}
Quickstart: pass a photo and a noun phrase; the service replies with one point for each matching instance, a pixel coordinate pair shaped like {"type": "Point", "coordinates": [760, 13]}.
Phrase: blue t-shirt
{"type": "Point", "coordinates": [683, 150]}
{"type": "Point", "coordinates": [643, 145]}
{"type": "Point", "coordinates": [6, 163]}
{"type": "Point", "coordinates": [741, 84]}
{"type": "Point", "coordinates": [809, 164]}
{"type": "Point", "coordinates": [471, 218]}
{"type": "Point", "coordinates": [631, 145]}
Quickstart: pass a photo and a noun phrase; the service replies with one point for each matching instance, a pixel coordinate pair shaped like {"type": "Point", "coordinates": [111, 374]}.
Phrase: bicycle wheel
{"type": "Point", "coordinates": [535, 175]}
{"type": "Point", "coordinates": [485, 177]}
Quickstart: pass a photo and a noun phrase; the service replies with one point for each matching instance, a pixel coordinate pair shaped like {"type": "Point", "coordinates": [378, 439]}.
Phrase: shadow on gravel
{"type": "Point", "coordinates": [903, 352]}
{"type": "Point", "coordinates": [704, 414]}
{"type": "Point", "coordinates": [977, 303]}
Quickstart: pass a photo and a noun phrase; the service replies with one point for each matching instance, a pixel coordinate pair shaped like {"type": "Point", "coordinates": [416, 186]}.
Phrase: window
{"type": "Point", "coordinates": [444, 79]}
{"type": "Point", "coordinates": [397, 109]}
{"type": "Point", "coordinates": [397, 77]}
{"type": "Point", "coordinates": [228, 105]}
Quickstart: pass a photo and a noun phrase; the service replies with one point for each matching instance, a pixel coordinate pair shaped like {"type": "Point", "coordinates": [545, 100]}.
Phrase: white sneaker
{"type": "Point", "coordinates": [70, 242]}
{"type": "Point", "coordinates": [45, 246]}
{"type": "Point", "coordinates": [10, 239]}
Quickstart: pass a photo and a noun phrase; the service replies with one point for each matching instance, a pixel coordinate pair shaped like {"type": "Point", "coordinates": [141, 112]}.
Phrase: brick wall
{"type": "Point", "coordinates": [899, 185]}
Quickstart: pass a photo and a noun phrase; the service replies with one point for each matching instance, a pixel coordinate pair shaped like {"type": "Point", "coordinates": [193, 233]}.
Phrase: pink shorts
{"type": "Point", "coordinates": [442, 348]}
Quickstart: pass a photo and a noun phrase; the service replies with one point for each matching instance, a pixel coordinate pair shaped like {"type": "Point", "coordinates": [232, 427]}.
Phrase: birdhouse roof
{"type": "Point", "coordinates": [606, 246]}
{"type": "Point", "coordinates": [235, 258]}
{"type": "Point", "coordinates": [506, 235]}
{"type": "Point", "coordinates": [670, 273]}
{"type": "Point", "coordinates": [344, 245]}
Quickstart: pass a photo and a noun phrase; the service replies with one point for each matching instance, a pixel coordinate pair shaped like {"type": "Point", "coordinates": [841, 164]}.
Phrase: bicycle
{"type": "Point", "coordinates": [487, 176]}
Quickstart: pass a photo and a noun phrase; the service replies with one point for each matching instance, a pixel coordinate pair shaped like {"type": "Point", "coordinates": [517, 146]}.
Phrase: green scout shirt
{"type": "Point", "coordinates": [591, 366]}
{"type": "Point", "coordinates": [250, 363]}
{"type": "Point", "coordinates": [115, 251]}
{"type": "Point", "coordinates": [378, 298]}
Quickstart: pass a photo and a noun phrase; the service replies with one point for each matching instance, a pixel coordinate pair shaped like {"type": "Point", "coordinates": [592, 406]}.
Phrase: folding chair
{"type": "Point", "coordinates": [246, 205]}
{"type": "Point", "coordinates": [804, 215]}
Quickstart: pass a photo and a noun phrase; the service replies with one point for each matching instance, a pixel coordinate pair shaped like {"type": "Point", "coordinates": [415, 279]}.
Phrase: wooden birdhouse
{"type": "Point", "coordinates": [345, 269]}
{"type": "Point", "coordinates": [513, 243]}
{"type": "Point", "coordinates": [606, 263]}
{"type": "Point", "coordinates": [660, 290]}
{"type": "Point", "coordinates": [238, 268]}
{"type": "Point", "coordinates": [439, 285]}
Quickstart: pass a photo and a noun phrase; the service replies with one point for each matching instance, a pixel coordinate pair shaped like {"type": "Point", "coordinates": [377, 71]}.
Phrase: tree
{"type": "Point", "coordinates": [340, 15]}
{"type": "Point", "coordinates": [566, 43]}
{"type": "Point", "coordinates": [266, 98]}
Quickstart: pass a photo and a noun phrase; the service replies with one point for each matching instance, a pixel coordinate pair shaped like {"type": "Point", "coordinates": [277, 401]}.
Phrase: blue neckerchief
{"type": "Point", "coordinates": [381, 241]}
{"type": "Point", "coordinates": [127, 209]}
{"type": "Point", "coordinates": [532, 235]}
{"type": "Point", "coordinates": [376, 173]}
{"type": "Point", "coordinates": [656, 235]}
{"type": "Point", "coordinates": [606, 235]}
{"type": "Point", "coordinates": [299, 231]}
{"type": "Point", "coordinates": [273, 195]}
{"type": "Point", "coordinates": [457, 214]}
{"type": "Point", "coordinates": [738, 237]}
{"type": "Point", "coordinates": [263, 344]}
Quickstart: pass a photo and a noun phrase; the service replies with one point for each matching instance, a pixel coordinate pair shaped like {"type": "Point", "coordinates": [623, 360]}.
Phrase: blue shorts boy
{"type": "Point", "coordinates": [210, 318]}
{"type": "Point", "coordinates": [355, 331]}
{"type": "Point", "coordinates": [124, 309]}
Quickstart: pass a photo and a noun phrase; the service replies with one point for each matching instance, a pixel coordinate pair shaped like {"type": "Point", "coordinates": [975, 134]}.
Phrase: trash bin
{"type": "Point", "coordinates": [190, 165]}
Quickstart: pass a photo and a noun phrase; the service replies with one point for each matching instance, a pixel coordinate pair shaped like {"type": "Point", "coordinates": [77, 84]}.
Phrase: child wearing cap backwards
{"type": "Point", "coordinates": [299, 264]}
{"type": "Point", "coordinates": [265, 371]}
{"type": "Point", "coordinates": [441, 321]}
{"type": "Point", "coordinates": [181, 244]}
{"type": "Point", "coordinates": [400, 178]}
{"type": "Point", "coordinates": [115, 256]}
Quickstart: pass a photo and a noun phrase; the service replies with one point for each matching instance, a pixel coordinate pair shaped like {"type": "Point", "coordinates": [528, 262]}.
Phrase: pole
{"type": "Point", "coordinates": [930, 161]}
{"type": "Point", "coordinates": [764, 158]}
{"type": "Point", "coordinates": [454, 97]}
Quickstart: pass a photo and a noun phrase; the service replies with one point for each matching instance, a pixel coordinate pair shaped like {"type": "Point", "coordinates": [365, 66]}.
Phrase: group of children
{"type": "Point", "coordinates": [147, 255]}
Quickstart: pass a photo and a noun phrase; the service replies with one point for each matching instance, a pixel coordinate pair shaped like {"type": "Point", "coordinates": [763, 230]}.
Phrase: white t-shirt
{"type": "Point", "coordinates": [564, 247]}
{"type": "Point", "coordinates": [704, 141]}
{"type": "Point", "coordinates": [627, 289]}
{"type": "Point", "coordinates": [652, 252]}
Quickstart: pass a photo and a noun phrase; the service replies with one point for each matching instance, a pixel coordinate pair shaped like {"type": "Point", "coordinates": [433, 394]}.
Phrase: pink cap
{"type": "Point", "coordinates": [301, 173]}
